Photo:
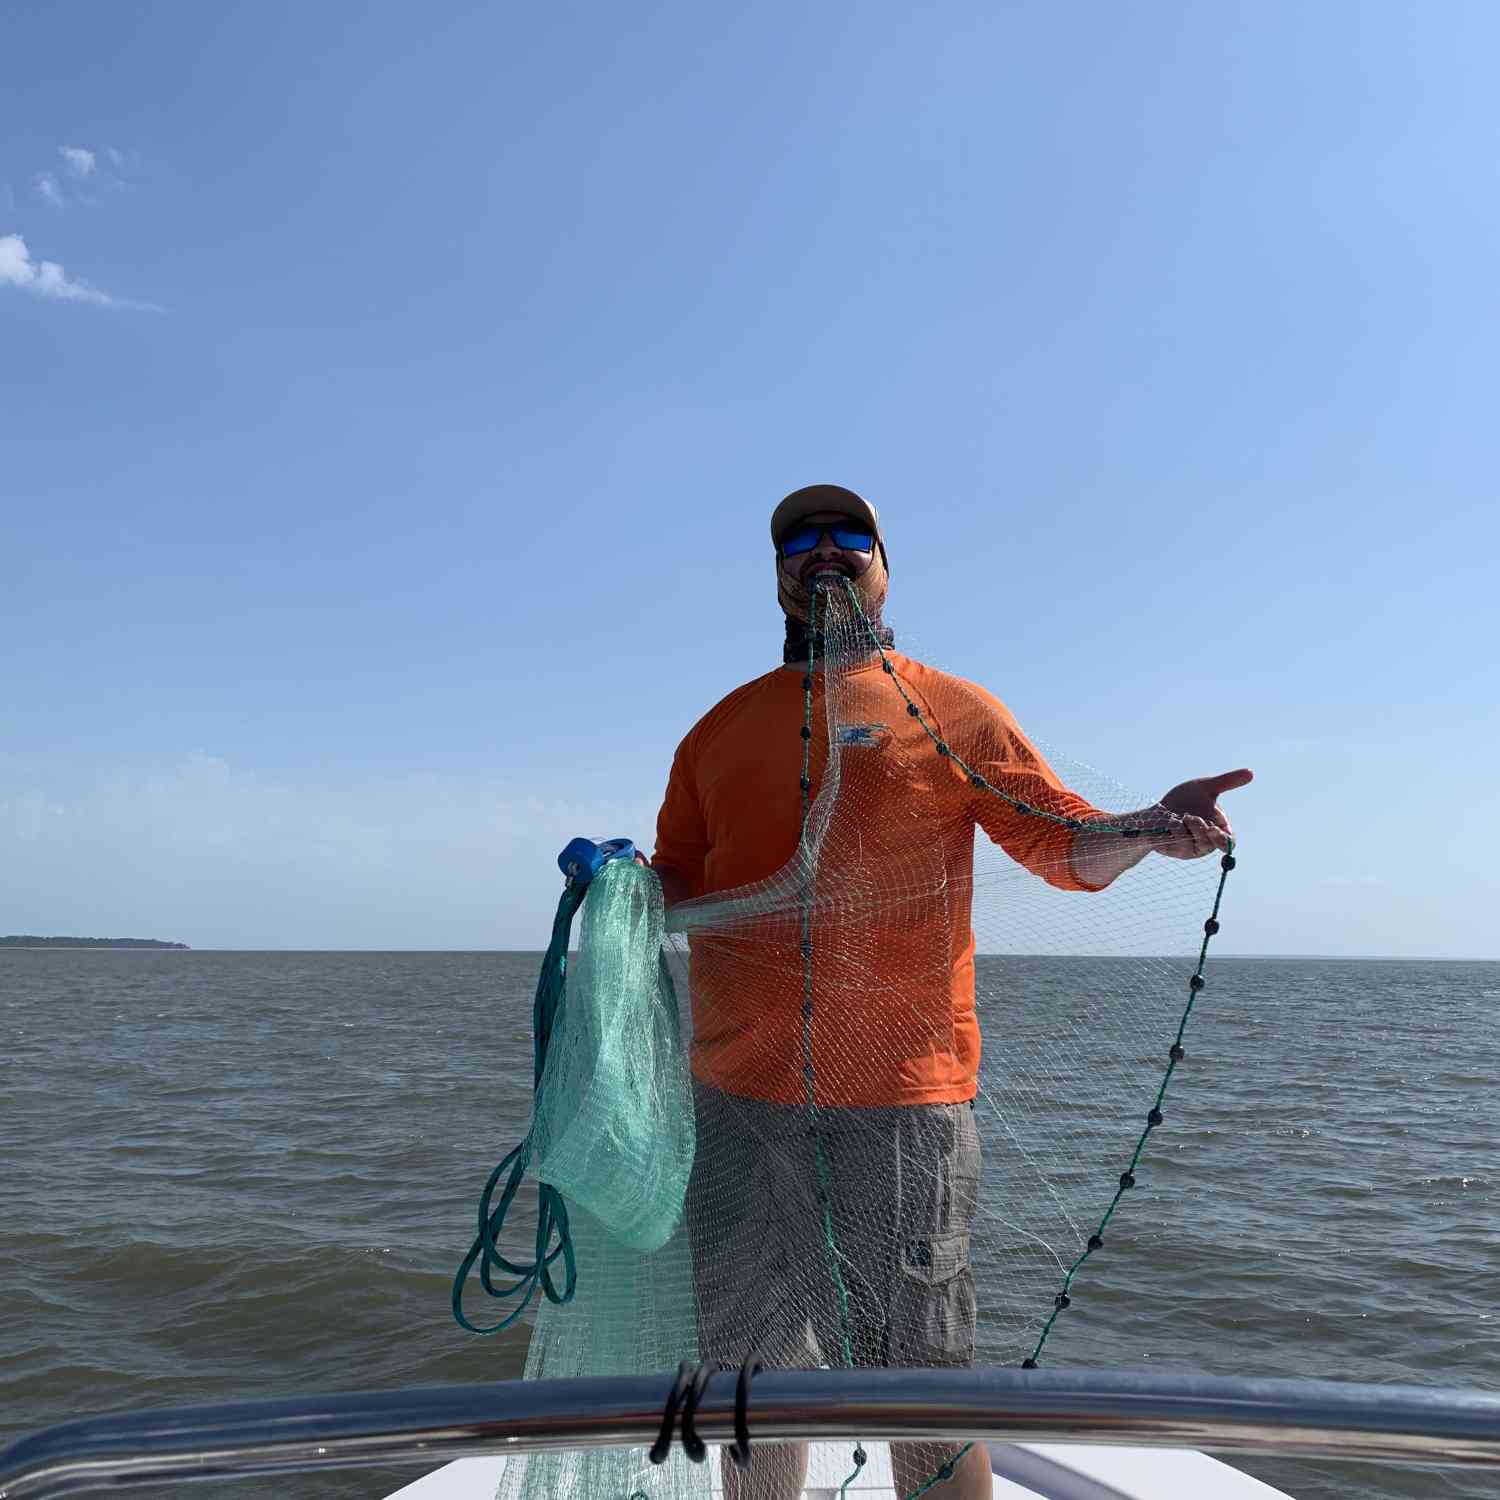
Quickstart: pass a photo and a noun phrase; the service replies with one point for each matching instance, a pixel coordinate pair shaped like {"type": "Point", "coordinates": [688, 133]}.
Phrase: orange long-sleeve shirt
{"type": "Point", "coordinates": [892, 998]}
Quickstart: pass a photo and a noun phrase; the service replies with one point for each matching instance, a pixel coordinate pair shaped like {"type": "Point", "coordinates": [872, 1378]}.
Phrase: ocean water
{"type": "Point", "coordinates": [242, 1175]}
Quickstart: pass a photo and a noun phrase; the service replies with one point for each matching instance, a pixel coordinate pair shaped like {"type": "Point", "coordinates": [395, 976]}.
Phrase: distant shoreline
{"type": "Point", "coordinates": [31, 940]}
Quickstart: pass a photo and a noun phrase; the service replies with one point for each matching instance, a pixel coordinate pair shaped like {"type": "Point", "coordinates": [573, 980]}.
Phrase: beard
{"type": "Point", "coordinates": [795, 597]}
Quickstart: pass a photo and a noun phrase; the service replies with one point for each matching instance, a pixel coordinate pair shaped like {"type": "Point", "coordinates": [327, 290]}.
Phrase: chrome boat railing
{"type": "Point", "coordinates": [1411, 1424]}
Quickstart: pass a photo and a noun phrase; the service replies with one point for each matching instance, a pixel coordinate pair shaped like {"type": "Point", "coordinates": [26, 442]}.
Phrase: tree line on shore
{"type": "Point", "coordinates": [29, 940]}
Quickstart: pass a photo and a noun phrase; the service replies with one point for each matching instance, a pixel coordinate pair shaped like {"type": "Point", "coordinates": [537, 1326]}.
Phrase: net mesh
{"type": "Point", "coordinates": [613, 1127]}
{"type": "Point", "coordinates": [815, 1162]}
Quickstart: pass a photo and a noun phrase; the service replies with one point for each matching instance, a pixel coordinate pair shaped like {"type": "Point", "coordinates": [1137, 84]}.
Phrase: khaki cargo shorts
{"type": "Point", "coordinates": [860, 1258]}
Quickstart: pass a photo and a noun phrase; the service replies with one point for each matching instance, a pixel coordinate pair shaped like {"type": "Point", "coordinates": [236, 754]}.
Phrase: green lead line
{"type": "Point", "coordinates": [940, 1476]}
{"type": "Point", "coordinates": [982, 783]}
{"type": "Point", "coordinates": [859, 1458]}
{"type": "Point", "coordinates": [1195, 984]}
{"type": "Point", "coordinates": [1127, 1178]}
{"type": "Point", "coordinates": [809, 1075]}
{"type": "Point", "coordinates": [1166, 1078]}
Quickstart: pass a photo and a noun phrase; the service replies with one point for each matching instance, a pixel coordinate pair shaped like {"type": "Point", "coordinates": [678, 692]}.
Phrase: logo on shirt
{"type": "Point", "coordinates": [862, 734]}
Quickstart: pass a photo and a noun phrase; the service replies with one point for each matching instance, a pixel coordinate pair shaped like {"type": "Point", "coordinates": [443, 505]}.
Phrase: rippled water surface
{"type": "Point", "coordinates": [239, 1175]}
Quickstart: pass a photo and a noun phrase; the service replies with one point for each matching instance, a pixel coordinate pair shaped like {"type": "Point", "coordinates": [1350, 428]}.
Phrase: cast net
{"type": "Point", "coordinates": [838, 1174]}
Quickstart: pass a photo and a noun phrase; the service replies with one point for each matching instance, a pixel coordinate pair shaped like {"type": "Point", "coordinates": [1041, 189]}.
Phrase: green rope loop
{"type": "Point", "coordinates": [552, 1211]}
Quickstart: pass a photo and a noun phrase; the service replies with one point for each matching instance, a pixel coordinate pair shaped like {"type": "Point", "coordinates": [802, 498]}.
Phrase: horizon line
{"type": "Point", "coordinates": [1389, 958]}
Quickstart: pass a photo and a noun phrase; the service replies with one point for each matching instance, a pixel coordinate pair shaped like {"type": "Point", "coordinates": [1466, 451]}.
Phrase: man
{"type": "Point", "coordinates": [835, 1046]}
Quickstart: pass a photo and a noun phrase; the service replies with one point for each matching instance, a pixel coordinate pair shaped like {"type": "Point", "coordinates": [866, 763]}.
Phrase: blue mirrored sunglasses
{"type": "Point", "coordinates": [848, 535]}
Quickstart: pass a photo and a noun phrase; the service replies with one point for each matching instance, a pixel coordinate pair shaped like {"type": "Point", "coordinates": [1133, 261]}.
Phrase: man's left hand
{"type": "Point", "coordinates": [1198, 824]}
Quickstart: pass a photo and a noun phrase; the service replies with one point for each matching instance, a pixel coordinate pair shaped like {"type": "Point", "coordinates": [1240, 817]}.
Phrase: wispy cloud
{"type": "Point", "coordinates": [85, 171]}
{"type": "Point", "coordinates": [81, 161]}
{"type": "Point", "coordinates": [44, 277]}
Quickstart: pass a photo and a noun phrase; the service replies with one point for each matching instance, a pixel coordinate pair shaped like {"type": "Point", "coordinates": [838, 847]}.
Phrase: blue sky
{"type": "Point", "coordinates": [385, 458]}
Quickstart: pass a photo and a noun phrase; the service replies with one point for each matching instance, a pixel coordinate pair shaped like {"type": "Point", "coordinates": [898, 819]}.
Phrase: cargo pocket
{"type": "Point", "coordinates": [968, 1169]}
{"type": "Point", "coordinates": [933, 1304]}
{"type": "Point", "coordinates": [932, 1313]}
{"type": "Point", "coordinates": [938, 1172]}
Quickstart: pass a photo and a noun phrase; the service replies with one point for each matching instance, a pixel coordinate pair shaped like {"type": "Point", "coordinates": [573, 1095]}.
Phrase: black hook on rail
{"type": "Point", "coordinates": [688, 1389]}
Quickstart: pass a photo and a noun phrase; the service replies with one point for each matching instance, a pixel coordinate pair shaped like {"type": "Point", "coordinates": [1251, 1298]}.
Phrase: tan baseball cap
{"type": "Point", "coordinates": [812, 499]}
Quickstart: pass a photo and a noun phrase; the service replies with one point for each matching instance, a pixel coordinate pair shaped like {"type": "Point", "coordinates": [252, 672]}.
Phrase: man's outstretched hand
{"type": "Point", "coordinates": [1198, 823]}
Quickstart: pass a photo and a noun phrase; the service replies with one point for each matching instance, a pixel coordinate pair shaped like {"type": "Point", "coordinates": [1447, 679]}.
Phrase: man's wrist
{"type": "Point", "coordinates": [1101, 853]}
